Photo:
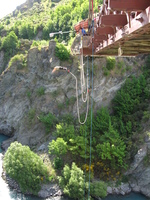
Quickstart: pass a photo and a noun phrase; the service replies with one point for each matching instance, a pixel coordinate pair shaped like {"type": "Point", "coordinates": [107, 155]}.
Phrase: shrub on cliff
{"type": "Point", "coordinates": [25, 167]}
{"type": "Point", "coordinates": [58, 148]}
{"type": "Point", "coordinates": [98, 189]}
{"type": "Point", "coordinates": [61, 52]}
{"type": "Point", "coordinates": [48, 120]}
{"type": "Point", "coordinates": [10, 42]}
{"type": "Point", "coordinates": [72, 182]}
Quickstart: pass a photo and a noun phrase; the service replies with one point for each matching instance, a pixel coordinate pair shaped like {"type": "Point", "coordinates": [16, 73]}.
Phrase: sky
{"type": "Point", "coordinates": [7, 6]}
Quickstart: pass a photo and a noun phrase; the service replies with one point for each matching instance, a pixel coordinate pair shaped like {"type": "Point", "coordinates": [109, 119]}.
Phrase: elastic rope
{"type": "Point", "coordinates": [91, 115]}
{"type": "Point", "coordinates": [82, 77]}
{"type": "Point", "coordinates": [87, 106]}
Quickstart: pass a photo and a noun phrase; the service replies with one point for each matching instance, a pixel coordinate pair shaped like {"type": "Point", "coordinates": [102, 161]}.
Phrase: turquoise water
{"type": "Point", "coordinates": [7, 194]}
{"type": "Point", "coordinates": [131, 196]}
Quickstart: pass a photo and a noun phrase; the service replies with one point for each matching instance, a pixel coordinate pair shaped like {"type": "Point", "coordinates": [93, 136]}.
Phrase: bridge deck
{"type": "Point", "coordinates": [133, 39]}
{"type": "Point", "coordinates": [115, 35]}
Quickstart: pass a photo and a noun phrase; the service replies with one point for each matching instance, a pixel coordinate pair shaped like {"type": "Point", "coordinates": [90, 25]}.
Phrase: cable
{"type": "Point", "coordinates": [82, 75]}
{"type": "Point", "coordinates": [91, 116]}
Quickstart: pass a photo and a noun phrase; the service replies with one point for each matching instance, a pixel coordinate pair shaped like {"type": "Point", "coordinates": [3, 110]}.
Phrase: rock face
{"type": "Point", "coordinates": [49, 190]}
{"type": "Point", "coordinates": [21, 102]}
{"type": "Point", "coordinates": [123, 189]}
{"type": "Point", "coordinates": [1, 61]}
{"type": "Point", "coordinates": [139, 172]}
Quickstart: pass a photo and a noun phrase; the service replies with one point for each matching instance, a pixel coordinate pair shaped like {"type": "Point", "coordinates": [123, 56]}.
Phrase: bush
{"type": "Point", "coordinates": [48, 120]}
{"type": "Point", "coordinates": [111, 62]}
{"type": "Point", "coordinates": [65, 131]}
{"type": "Point", "coordinates": [9, 43]}
{"type": "Point", "coordinates": [72, 182]}
{"type": "Point", "coordinates": [58, 147]}
{"type": "Point", "coordinates": [112, 149]}
{"type": "Point", "coordinates": [25, 167]}
{"type": "Point", "coordinates": [40, 91]}
{"type": "Point", "coordinates": [18, 58]}
{"type": "Point", "coordinates": [98, 189]}
{"type": "Point", "coordinates": [61, 52]}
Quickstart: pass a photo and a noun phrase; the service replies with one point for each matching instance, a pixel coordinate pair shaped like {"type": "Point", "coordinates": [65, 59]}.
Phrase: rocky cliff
{"type": "Point", "coordinates": [20, 98]}
{"type": "Point", "coordinates": [21, 101]}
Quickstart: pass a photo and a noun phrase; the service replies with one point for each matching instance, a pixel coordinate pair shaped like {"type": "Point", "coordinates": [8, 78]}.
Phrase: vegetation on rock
{"type": "Point", "coordinates": [25, 167]}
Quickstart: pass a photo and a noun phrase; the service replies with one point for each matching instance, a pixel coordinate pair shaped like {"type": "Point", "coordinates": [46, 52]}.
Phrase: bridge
{"type": "Point", "coordinates": [122, 27]}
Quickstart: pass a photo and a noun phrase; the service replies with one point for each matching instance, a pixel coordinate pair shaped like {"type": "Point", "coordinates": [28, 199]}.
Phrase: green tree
{"type": "Point", "coordinates": [23, 31]}
{"type": "Point", "coordinates": [10, 42]}
{"type": "Point", "coordinates": [65, 131]}
{"type": "Point", "coordinates": [61, 52]}
{"type": "Point", "coordinates": [25, 167]}
{"type": "Point", "coordinates": [58, 147]}
{"type": "Point", "coordinates": [49, 28]}
{"type": "Point", "coordinates": [110, 63]}
{"type": "Point", "coordinates": [98, 189]}
{"type": "Point", "coordinates": [48, 120]}
{"type": "Point", "coordinates": [72, 182]}
{"type": "Point", "coordinates": [112, 148]}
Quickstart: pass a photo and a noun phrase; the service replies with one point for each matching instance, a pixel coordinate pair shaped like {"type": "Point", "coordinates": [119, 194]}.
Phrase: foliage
{"type": "Point", "coordinates": [39, 44]}
{"type": "Point", "coordinates": [128, 104]}
{"type": "Point", "coordinates": [110, 63]}
{"type": "Point", "coordinates": [77, 146]}
{"type": "Point", "coordinates": [106, 71]}
{"type": "Point", "coordinates": [40, 91]}
{"type": "Point", "coordinates": [67, 119]}
{"type": "Point", "coordinates": [101, 120]}
{"type": "Point", "coordinates": [98, 189]}
{"type": "Point", "coordinates": [28, 93]}
{"type": "Point", "coordinates": [61, 52]}
{"type": "Point", "coordinates": [31, 115]}
{"type": "Point", "coordinates": [48, 120]}
{"type": "Point", "coordinates": [112, 148]}
{"type": "Point", "coordinates": [65, 131]}
{"type": "Point", "coordinates": [25, 167]}
{"type": "Point", "coordinates": [20, 58]}
{"type": "Point", "coordinates": [72, 182]}
{"type": "Point", "coordinates": [58, 162]}
{"type": "Point", "coordinates": [129, 96]}
{"type": "Point", "coordinates": [58, 147]}
{"type": "Point", "coordinates": [9, 43]}
{"type": "Point", "coordinates": [120, 64]}
{"type": "Point", "coordinates": [26, 31]}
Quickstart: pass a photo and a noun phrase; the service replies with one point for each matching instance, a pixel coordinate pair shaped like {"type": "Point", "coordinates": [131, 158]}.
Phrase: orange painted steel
{"type": "Point", "coordinates": [105, 30]}
{"type": "Point", "coordinates": [128, 5]}
{"type": "Point", "coordinates": [121, 24]}
{"type": "Point", "coordinates": [114, 20]}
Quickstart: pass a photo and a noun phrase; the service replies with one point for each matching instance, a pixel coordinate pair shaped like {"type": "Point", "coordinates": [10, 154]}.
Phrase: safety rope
{"type": "Point", "coordinates": [91, 130]}
{"type": "Point", "coordinates": [86, 136]}
{"type": "Point", "coordinates": [82, 76]}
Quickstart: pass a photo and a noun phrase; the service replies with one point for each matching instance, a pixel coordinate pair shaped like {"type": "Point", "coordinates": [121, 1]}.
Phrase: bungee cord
{"type": "Point", "coordinates": [82, 76]}
{"type": "Point", "coordinates": [87, 105]}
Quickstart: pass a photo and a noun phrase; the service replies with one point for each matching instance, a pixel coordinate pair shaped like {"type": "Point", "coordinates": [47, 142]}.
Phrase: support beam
{"type": "Point", "coordinates": [118, 20]}
{"type": "Point", "coordinates": [128, 5]}
{"type": "Point", "coordinates": [105, 30]}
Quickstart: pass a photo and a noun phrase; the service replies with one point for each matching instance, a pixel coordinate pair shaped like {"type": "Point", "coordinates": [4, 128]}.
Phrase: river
{"type": "Point", "coordinates": [8, 194]}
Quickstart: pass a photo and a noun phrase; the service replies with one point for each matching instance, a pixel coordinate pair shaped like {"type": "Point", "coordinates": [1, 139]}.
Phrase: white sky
{"type": "Point", "coordinates": [7, 6]}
